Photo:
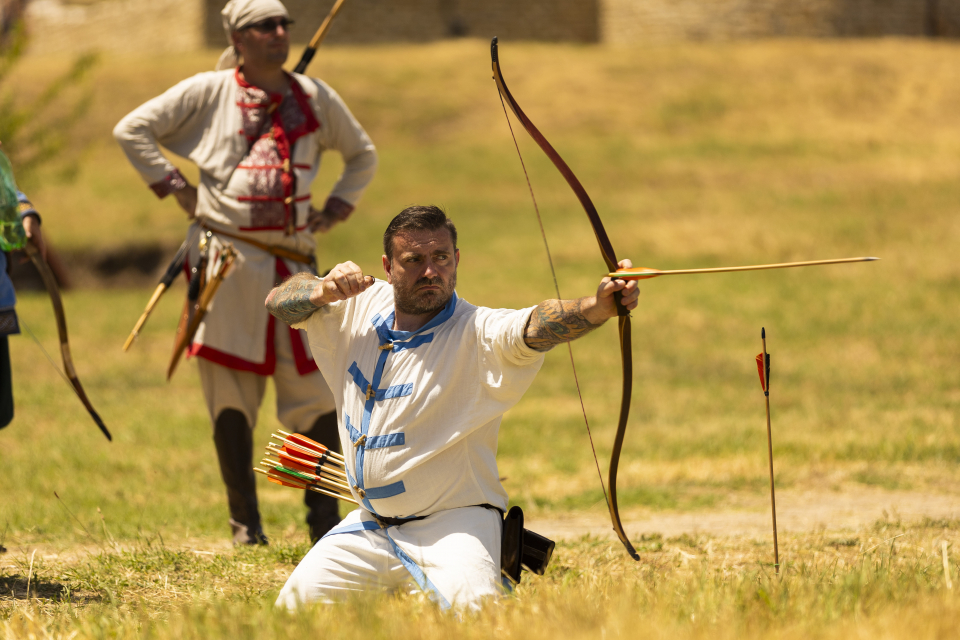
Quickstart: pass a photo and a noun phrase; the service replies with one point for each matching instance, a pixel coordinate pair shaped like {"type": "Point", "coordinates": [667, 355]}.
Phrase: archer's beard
{"type": "Point", "coordinates": [416, 303]}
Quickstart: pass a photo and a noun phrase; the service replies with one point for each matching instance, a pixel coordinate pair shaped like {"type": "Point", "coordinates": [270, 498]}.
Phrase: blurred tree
{"type": "Point", "coordinates": [39, 130]}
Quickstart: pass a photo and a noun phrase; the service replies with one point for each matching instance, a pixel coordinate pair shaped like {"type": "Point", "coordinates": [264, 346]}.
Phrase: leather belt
{"type": "Point", "coordinates": [385, 521]}
{"type": "Point", "coordinates": [275, 250]}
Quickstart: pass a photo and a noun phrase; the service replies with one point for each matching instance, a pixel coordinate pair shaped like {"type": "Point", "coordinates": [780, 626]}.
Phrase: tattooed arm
{"type": "Point", "coordinates": [557, 321]}
{"type": "Point", "coordinates": [553, 322]}
{"type": "Point", "coordinates": [290, 301]}
{"type": "Point", "coordinates": [302, 294]}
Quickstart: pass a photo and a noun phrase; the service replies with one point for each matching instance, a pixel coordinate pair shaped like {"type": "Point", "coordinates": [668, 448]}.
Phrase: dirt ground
{"type": "Point", "coordinates": [832, 512]}
{"type": "Point", "coordinates": [829, 512]}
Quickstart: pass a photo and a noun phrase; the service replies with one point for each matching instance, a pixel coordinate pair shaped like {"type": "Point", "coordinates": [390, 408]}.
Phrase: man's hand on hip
{"type": "Point", "coordinates": [187, 199]}
{"type": "Point", "coordinates": [320, 220]}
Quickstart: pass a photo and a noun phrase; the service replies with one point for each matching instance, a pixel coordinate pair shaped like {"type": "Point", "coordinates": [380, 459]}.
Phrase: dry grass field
{"type": "Point", "coordinates": [696, 156]}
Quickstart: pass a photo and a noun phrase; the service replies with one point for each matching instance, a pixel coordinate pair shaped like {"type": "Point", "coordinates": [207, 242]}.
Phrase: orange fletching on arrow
{"type": "Point", "coordinates": [306, 442]}
{"type": "Point", "coordinates": [761, 371]}
{"type": "Point", "coordinates": [295, 457]}
{"type": "Point", "coordinates": [297, 450]}
{"type": "Point", "coordinates": [286, 483]}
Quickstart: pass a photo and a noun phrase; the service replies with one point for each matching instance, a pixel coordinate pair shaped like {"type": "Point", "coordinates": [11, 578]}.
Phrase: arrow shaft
{"type": "Point", "coordinates": [175, 267]}
{"type": "Point", "coordinates": [633, 274]}
{"type": "Point", "coordinates": [143, 317]}
{"type": "Point", "coordinates": [773, 497]}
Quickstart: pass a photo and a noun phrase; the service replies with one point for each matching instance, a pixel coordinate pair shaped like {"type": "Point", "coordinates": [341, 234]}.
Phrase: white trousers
{"type": "Point", "coordinates": [452, 555]}
{"type": "Point", "coordinates": [300, 399]}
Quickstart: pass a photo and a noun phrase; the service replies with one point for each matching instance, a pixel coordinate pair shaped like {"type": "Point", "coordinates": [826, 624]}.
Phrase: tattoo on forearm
{"type": "Point", "coordinates": [554, 322]}
{"type": "Point", "coordinates": [291, 300]}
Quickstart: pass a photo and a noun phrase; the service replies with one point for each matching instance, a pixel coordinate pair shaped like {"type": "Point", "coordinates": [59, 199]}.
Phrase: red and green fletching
{"type": "Point", "coordinates": [285, 482]}
{"type": "Point", "coordinates": [297, 475]}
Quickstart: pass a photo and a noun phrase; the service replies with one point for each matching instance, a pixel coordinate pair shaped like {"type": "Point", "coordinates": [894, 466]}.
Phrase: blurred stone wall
{"type": "Point", "coordinates": [945, 18]}
{"type": "Point", "coordinates": [176, 25]}
{"type": "Point", "coordinates": [154, 26]}
{"type": "Point", "coordinates": [628, 21]}
{"type": "Point", "coordinates": [371, 21]}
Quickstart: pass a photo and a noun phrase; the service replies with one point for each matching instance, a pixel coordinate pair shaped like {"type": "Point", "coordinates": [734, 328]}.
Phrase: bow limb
{"type": "Point", "coordinates": [610, 258]}
{"type": "Point", "coordinates": [50, 282]}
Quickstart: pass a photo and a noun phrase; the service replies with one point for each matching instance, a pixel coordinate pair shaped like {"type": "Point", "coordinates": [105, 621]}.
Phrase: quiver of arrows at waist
{"type": "Point", "coordinates": [301, 463]}
{"type": "Point", "coordinates": [200, 295]}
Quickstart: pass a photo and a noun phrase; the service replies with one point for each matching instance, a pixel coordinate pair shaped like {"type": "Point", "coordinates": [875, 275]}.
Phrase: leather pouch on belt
{"type": "Point", "coordinates": [522, 549]}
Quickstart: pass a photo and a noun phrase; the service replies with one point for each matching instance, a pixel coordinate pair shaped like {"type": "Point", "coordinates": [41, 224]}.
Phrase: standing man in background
{"type": "Point", "coordinates": [256, 132]}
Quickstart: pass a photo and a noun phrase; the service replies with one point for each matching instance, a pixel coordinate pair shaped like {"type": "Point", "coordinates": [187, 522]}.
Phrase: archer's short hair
{"type": "Point", "coordinates": [417, 218]}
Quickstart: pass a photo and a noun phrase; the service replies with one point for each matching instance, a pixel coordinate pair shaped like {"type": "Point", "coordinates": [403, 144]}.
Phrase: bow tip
{"type": "Point", "coordinates": [103, 427]}
{"type": "Point", "coordinates": [629, 547]}
{"type": "Point", "coordinates": [493, 48]}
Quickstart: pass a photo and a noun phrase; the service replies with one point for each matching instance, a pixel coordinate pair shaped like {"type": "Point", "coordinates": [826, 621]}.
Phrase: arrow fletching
{"type": "Point", "coordinates": [306, 442]}
{"type": "Point", "coordinates": [762, 372]}
{"type": "Point", "coordinates": [284, 481]}
{"type": "Point", "coordinates": [768, 371]}
{"type": "Point", "coordinates": [291, 473]}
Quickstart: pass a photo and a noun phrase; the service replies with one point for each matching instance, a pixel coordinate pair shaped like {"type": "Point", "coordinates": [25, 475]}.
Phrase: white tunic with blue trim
{"type": "Point", "coordinates": [419, 411]}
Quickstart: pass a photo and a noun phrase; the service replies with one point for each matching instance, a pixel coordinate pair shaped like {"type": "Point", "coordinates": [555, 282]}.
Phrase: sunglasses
{"type": "Point", "coordinates": [269, 25]}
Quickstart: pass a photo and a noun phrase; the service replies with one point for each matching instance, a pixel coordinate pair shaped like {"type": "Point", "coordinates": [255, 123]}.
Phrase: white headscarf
{"type": "Point", "coordinates": [241, 13]}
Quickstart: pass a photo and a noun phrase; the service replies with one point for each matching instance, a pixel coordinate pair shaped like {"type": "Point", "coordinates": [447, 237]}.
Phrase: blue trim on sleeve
{"type": "Point", "coordinates": [30, 211]}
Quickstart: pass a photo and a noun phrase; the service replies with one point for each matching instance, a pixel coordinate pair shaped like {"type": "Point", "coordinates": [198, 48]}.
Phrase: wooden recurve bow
{"type": "Point", "coordinates": [610, 258]}
{"type": "Point", "coordinates": [50, 282]}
